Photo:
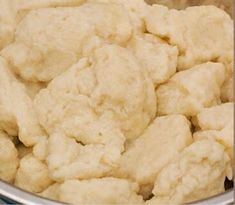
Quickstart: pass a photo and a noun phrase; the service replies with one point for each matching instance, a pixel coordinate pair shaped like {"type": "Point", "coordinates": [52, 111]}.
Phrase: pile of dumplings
{"type": "Point", "coordinates": [115, 101]}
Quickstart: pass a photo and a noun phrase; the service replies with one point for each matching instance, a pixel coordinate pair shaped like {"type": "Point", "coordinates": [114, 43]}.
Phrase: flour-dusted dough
{"type": "Point", "coordinates": [199, 172]}
{"type": "Point", "coordinates": [12, 11]}
{"type": "Point", "coordinates": [188, 92]}
{"type": "Point", "coordinates": [67, 159]}
{"type": "Point", "coordinates": [159, 58]}
{"type": "Point", "coordinates": [158, 145]}
{"type": "Point", "coordinates": [215, 118]}
{"type": "Point", "coordinates": [7, 22]}
{"type": "Point", "coordinates": [188, 29]}
{"type": "Point", "coordinates": [17, 115]}
{"type": "Point", "coordinates": [9, 160]}
{"type": "Point", "coordinates": [48, 41]}
{"type": "Point", "coordinates": [32, 174]}
{"type": "Point", "coordinates": [217, 123]}
{"type": "Point", "coordinates": [116, 101]}
{"type": "Point", "coordinates": [110, 83]}
{"type": "Point", "coordinates": [95, 191]}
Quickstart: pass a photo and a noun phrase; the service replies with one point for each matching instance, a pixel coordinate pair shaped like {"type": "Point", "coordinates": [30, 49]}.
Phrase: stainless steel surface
{"type": "Point", "coordinates": [226, 198]}
{"type": "Point", "coordinates": [19, 196]}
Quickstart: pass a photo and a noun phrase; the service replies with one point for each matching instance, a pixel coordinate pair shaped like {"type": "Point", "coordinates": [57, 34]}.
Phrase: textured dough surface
{"type": "Point", "coordinates": [110, 72]}
{"type": "Point", "coordinates": [144, 159]}
{"type": "Point", "coordinates": [116, 101]}
{"type": "Point", "coordinates": [157, 56]}
{"type": "Point", "coordinates": [32, 174]}
{"type": "Point", "coordinates": [188, 29]}
{"type": "Point", "coordinates": [17, 115]}
{"type": "Point", "coordinates": [197, 173]}
{"type": "Point", "coordinates": [215, 118]}
{"type": "Point", "coordinates": [12, 11]}
{"type": "Point", "coordinates": [8, 158]}
{"type": "Point", "coordinates": [45, 38]}
{"type": "Point", "coordinates": [68, 159]}
{"type": "Point", "coordinates": [96, 191]}
{"type": "Point", "coordinates": [217, 123]}
{"type": "Point", "coordinates": [189, 91]}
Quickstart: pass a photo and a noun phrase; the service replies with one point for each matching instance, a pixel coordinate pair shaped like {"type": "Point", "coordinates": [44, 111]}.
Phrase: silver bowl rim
{"type": "Point", "coordinates": [17, 195]}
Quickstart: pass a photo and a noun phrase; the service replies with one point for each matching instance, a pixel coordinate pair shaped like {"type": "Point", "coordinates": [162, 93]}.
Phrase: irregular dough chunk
{"type": "Point", "coordinates": [215, 118]}
{"type": "Point", "coordinates": [159, 144]}
{"type": "Point", "coordinates": [136, 10]}
{"type": "Point", "coordinates": [32, 175]}
{"type": "Point", "coordinates": [7, 22]}
{"type": "Point", "coordinates": [197, 173]}
{"type": "Point", "coordinates": [67, 159]}
{"type": "Point", "coordinates": [188, 92]}
{"type": "Point", "coordinates": [8, 158]}
{"type": "Point", "coordinates": [52, 192]}
{"type": "Point", "coordinates": [12, 11]}
{"type": "Point", "coordinates": [48, 41]}
{"type": "Point", "coordinates": [16, 109]}
{"type": "Point", "coordinates": [217, 122]}
{"type": "Point", "coordinates": [157, 56]}
{"type": "Point", "coordinates": [95, 191]}
{"type": "Point", "coordinates": [98, 86]}
{"type": "Point", "coordinates": [188, 29]}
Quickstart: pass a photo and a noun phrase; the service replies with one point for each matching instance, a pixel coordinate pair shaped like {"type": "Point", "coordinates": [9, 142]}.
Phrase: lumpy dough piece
{"type": "Point", "coordinates": [217, 123]}
{"type": "Point", "coordinates": [48, 41]}
{"type": "Point", "coordinates": [7, 22]}
{"type": "Point", "coordinates": [188, 92]}
{"type": "Point", "coordinates": [98, 131]}
{"type": "Point", "coordinates": [32, 174]}
{"type": "Point", "coordinates": [215, 118]}
{"type": "Point", "coordinates": [68, 159]}
{"type": "Point", "coordinates": [227, 91]}
{"type": "Point", "coordinates": [157, 56]}
{"type": "Point", "coordinates": [224, 137]}
{"type": "Point", "coordinates": [136, 10]}
{"type": "Point", "coordinates": [52, 192]}
{"type": "Point", "coordinates": [98, 86]}
{"type": "Point", "coordinates": [188, 29]}
{"type": "Point", "coordinates": [40, 150]}
{"type": "Point", "coordinates": [12, 11]}
{"type": "Point", "coordinates": [8, 158]}
{"type": "Point", "coordinates": [16, 109]}
{"type": "Point", "coordinates": [102, 191]}
{"type": "Point", "coordinates": [159, 144]}
{"type": "Point", "coordinates": [95, 191]}
{"type": "Point", "coordinates": [197, 173]}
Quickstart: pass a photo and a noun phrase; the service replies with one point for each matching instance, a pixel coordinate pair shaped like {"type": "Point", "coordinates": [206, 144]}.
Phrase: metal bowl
{"type": "Point", "coordinates": [14, 195]}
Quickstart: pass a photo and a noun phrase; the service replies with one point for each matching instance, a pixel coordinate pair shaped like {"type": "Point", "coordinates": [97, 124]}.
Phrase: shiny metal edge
{"type": "Point", "coordinates": [19, 196]}
{"type": "Point", "coordinates": [225, 198]}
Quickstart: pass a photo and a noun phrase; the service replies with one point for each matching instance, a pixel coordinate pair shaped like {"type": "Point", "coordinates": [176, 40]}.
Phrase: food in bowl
{"type": "Point", "coordinates": [115, 102]}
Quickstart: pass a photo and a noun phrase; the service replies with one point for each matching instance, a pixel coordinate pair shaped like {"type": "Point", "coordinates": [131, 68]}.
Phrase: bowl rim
{"type": "Point", "coordinates": [14, 194]}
